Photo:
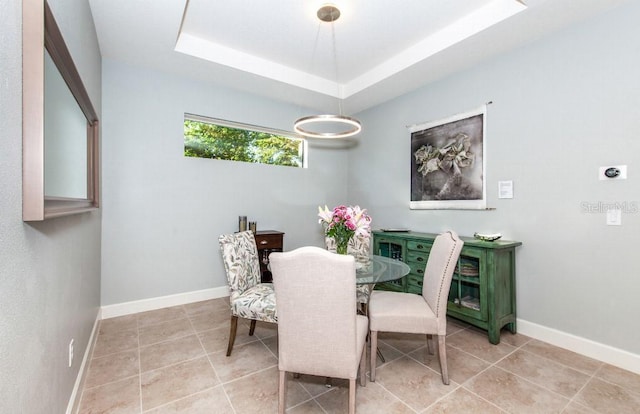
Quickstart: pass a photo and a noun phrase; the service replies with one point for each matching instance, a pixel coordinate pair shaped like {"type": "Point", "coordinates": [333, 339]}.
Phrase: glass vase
{"type": "Point", "coordinates": [342, 245]}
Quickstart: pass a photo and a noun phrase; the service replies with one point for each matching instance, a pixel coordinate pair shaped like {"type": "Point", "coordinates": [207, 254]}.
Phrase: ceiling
{"type": "Point", "coordinates": [279, 49]}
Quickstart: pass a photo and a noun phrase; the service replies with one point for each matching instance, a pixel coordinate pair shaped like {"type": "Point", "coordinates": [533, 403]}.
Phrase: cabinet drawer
{"type": "Point", "coordinates": [269, 241]}
{"type": "Point", "coordinates": [414, 284]}
{"type": "Point", "coordinates": [417, 256]}
{"type": "Point", "coordinates": [419, 245]}
{"type": "Point", "coordinates": [417, 268]}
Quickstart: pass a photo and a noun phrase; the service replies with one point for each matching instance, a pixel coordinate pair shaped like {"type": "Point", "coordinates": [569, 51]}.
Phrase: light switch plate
{"type": "Point", "coordinates": [505, 189]}
{"type": "Point", "coordinates": [614, 217]}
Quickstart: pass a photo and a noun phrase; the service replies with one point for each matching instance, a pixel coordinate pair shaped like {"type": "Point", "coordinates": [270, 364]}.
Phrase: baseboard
{"type": "Point", "coordinates": [605, 353]}
{"type": "Point", "coordinates": [128, 308]}
{"type": "Point", "coordinates": [601, 352]}
{"type": "Point", "coordinates": [74, 400]}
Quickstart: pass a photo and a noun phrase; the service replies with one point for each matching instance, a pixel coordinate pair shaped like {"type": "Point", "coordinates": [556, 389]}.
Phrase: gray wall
{"type": "Point", "coordinates": [563, 106]}
{"type": "Point", "coordinates": [163, 212]}
{"type": "Point", "coordinates": [50, 271]}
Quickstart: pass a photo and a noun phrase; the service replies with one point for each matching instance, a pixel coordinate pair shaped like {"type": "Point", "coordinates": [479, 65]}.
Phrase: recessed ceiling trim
{"type": "Point", "coordinates": [204, 49]}
{"type": "Point", "coordinates": [485, 16]}
{"type": "Point", "coordinates": [465, 27]}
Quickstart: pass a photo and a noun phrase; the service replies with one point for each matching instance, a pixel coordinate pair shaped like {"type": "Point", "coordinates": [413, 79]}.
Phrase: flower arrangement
{"type": "Point", "coordinates": [343, 223]}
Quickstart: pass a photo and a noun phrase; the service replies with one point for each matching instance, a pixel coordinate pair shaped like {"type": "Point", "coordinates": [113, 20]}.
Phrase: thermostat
{"type": "Point", "coordinates": [613, 172]}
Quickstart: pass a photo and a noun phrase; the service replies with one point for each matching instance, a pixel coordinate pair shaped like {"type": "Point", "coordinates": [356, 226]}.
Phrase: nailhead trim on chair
{"type": "Point", "coordinates": [446, 267]}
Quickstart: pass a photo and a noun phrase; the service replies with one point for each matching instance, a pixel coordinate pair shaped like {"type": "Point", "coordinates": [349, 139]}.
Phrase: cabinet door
{"type": "Point", "coordinates": [389, 247]}
{"type": "Point", "coordinates": [468, 293]}
{"type": "Point", "coordinates": [395, 249]}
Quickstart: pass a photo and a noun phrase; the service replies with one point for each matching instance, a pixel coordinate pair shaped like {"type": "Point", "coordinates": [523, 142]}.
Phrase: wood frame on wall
{"type": "Point", "coordinates": [40, 31]}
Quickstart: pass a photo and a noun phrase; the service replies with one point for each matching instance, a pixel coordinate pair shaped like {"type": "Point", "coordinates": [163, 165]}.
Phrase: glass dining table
{"type": "Point", "coordinates": [377, 269]}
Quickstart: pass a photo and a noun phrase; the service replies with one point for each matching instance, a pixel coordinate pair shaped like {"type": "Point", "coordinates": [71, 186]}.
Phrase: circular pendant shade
{"type": "Point", "coordinates": [327, 126]}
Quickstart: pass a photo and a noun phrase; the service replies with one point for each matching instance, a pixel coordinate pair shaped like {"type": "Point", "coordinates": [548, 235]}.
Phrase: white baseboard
{"type": "Point", "coordinates": [601, 352]}
{"type": "Point", "coordinates": [605, 353]}
{"type": "Point", "coordinates": [74, 400]}
{"type": "Point", "coordinates": [127, 308]}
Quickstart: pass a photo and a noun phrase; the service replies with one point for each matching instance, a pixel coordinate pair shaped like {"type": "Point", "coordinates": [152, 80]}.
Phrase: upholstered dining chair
{"type": "Point", "coordinates": [248, 298]}
{"type": "Point", "coordinates": [359, 247]}
{"type": "Point", "coordinates": [319, 330]}
{"type": "Point", "coordinates": [419, 314]}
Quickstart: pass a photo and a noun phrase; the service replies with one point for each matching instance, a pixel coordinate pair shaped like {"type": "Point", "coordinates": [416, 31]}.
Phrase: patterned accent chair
{"type": "Point", "coordinates": [319, 331]}
{"type": "Point", "coordinates": [360, 248]}
{"type": "Point", "coordinates": [419, 314]}
{"type": "Point", "coordinates": [249, 299]}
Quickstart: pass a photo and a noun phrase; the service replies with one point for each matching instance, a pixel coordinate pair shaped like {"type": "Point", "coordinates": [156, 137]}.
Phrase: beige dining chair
{"type": "Point", "coordinates": [248, 298]}
{"type": "Point", "coordinates": [359, 247]}
{"type": "Point", "coordinates": [419, 314]}
{"type": "Point", "coordinates": [319, 330]}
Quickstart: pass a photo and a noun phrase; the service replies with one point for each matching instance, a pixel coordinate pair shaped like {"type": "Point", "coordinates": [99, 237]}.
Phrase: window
{"type": "Point", "coordinates": [226, 140]}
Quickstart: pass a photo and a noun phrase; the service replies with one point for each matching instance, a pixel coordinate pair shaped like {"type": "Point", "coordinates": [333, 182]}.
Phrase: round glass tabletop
{"type": "Point", "coordinates": [380, 269]}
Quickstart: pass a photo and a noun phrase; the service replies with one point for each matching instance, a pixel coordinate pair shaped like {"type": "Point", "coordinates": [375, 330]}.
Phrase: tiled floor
{"type": "Point", "coordinates": [173, 361]}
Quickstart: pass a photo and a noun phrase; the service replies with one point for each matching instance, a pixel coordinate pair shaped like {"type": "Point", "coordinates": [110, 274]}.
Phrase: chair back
{"type": "Point", "coordinates": [240, 257]}
{"type": "Point", "coordinates": [316, 312]}
{"type": "Point", "coordinates": [439, 271]}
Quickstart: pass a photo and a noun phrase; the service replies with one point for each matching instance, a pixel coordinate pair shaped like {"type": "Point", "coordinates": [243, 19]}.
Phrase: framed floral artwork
{"type": "Point", "coordinates": [448, 162]}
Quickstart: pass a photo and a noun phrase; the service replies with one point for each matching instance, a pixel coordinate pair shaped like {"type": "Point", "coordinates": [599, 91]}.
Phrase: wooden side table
{"type": "Point", "coordinates": [268, 241]}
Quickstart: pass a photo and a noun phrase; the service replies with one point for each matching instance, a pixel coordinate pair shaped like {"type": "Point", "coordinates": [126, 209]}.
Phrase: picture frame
{"type": "Point", "coordinates": [448, 162]}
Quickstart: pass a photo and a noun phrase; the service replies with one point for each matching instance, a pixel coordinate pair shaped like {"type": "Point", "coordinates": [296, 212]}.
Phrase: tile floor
{"type": "Point", "coordinates": [173, 361]}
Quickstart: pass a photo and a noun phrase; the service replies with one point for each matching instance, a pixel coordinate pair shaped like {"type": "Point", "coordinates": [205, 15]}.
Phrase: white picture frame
{"type": "Point", "coordinates": [448, 162]}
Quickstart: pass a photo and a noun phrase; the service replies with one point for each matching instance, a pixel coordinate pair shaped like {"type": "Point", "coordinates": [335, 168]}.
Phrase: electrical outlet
{"type": "Point", "coordinates": [70, 353]}
{"type": "Point", "coordinates": [614, 217]}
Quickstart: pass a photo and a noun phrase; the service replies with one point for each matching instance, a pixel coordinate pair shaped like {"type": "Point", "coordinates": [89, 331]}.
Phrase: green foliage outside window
{"type": "Point", "coordinates": [208, 140]}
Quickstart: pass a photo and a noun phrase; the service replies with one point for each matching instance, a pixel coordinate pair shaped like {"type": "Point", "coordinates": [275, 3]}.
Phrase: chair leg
{"type": "Point", "coordinates": [253, 327]}
{"type": "Point", "coordinates": [374, 354]}
{"type": "Point", "coordinates": [233, 327]}
{"type": "Point", "coordinates": [363, 367]}
{"type": "Point", "coordinates": [352, 396]}
{"type": "Point", "coordinates": [442, 355]}
{"type": "Point", "coordinates": [282, 392]}
{"type": "Point", "coordinates": [429, 347]}
{"type": "Point", "coordinates": [364, 309]}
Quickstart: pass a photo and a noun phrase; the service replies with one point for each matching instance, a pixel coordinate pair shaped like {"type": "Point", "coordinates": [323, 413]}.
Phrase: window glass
{"type": "Point", "coordinates": [226, 140]}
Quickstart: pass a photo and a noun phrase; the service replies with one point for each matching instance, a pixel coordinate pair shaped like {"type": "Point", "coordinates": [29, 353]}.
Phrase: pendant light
{"type": "Point", "coordinates": [328, 126]}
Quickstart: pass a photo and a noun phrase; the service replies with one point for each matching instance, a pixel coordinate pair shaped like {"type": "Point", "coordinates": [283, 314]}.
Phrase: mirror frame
{"type": "Point", "coordinates": [39, 32]}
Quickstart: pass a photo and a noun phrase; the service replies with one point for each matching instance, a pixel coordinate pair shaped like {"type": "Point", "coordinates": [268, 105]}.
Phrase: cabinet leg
{"type": "Point", "coordinates": [512, 327]}
{"type": "Point", "coordinates": [494, 335]}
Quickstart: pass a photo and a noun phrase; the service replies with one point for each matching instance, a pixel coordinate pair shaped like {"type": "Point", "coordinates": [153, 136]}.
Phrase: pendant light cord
{"type": "Point", "coordinates": [328, 14]}
{"type": "Point", "coordinates": [335, 61]}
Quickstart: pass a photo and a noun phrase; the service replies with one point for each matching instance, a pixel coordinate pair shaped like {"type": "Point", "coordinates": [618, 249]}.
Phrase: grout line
{"type": "Point", "coordinates": [569, 366]}
{"type": "Point", "coordinates": [181, 398]}
{"type": "Point", "coordinates": [215, 371]}
{"type": "Point", "coordinates": [459, 386]}
{"type": "Point", "coordinates": [111, 382]}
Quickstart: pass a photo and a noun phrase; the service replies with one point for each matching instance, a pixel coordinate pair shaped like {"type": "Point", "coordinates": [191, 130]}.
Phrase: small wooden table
{"type": "Point", "coordinates": [268, 241]}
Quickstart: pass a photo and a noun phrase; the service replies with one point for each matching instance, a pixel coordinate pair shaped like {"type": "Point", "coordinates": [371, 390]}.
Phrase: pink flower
{"type": "Point", "coordinates": [345, 221]}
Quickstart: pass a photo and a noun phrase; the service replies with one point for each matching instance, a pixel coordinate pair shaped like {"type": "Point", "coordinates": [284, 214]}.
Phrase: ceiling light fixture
{"type": "Point", "coordinates": [329, 126]}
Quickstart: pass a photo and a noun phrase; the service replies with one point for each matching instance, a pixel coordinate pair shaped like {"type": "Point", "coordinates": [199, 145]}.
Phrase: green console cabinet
{"type": "Point", "coordinates": [483, 290]}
